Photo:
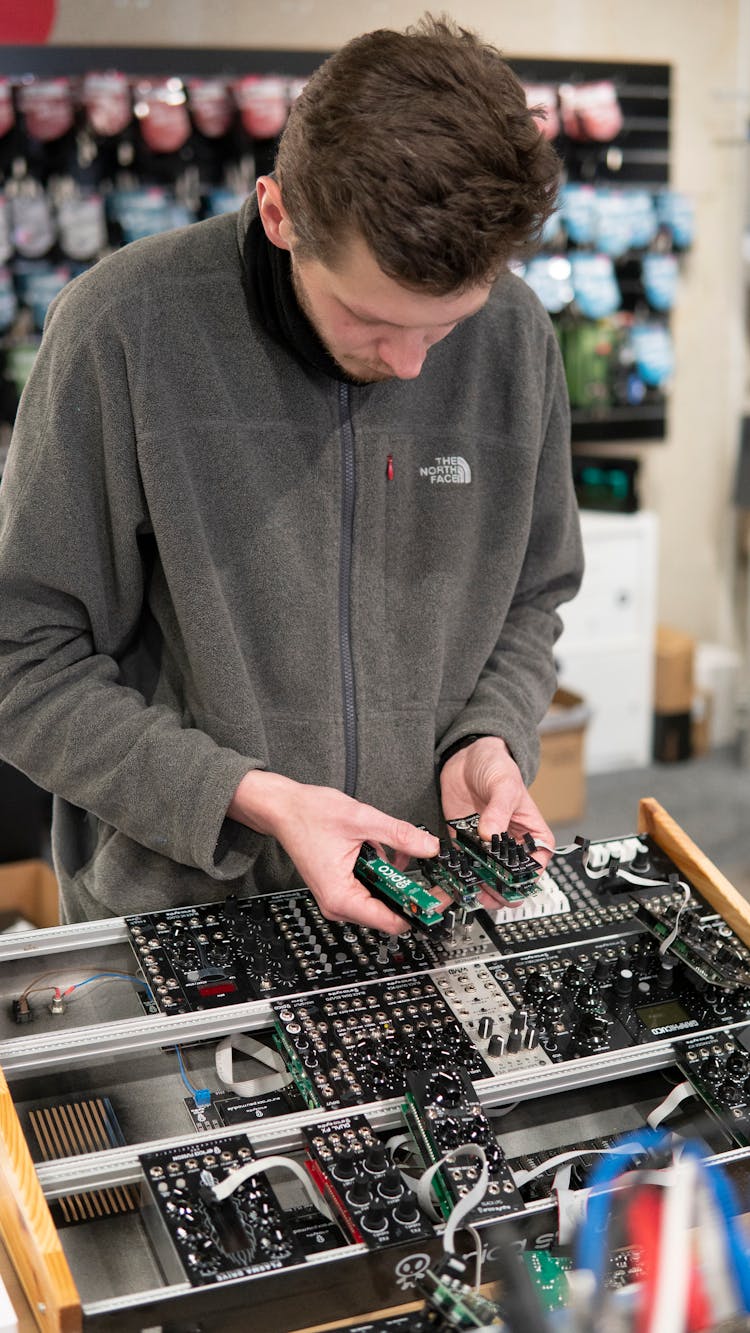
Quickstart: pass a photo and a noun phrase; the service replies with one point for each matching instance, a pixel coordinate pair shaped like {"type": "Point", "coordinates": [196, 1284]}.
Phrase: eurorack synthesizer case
{"type": "Point", "coordinates": [147, 1060]}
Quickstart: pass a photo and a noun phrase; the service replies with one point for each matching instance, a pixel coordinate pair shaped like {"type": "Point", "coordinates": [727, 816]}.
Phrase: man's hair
{"type": "Point", "coordinates": [420, 142]}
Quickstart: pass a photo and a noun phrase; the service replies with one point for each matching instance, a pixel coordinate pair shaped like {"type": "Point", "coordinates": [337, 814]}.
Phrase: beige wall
{"type": "Point", "coordinates": [688, 480]}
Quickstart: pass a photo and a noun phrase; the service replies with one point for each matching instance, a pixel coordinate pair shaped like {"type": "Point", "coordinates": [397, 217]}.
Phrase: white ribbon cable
{"type": "Point", "coordinates": [226, 1187]}
{"type": "Point", "coordinates": [571, 1204]}
{"type": "Point", "coordinates": [470, 1200]}
{"type": "Point", "coordinates": [670, 1103]}
{"type": "Point", "coordinates": [672, 936]}
{"type": "Point", "coordinates": [422, 1189]}
{"type": "Point", "coordinates": [673, 1269]}
{"type": "Point", "coordinates": [715, 1266]}
{"type": "Point", "coordinates": [251, 1087]}
{"type": "Point", "coordinates": [523, 1177]}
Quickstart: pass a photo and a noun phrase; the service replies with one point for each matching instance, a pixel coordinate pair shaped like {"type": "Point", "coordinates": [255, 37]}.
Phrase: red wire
{"type": "Point", "coordinates": [644, 1225]}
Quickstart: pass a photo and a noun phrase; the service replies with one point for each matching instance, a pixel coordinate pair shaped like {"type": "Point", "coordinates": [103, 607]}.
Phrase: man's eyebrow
{"type": "Point", "coordinates": [371, 319]}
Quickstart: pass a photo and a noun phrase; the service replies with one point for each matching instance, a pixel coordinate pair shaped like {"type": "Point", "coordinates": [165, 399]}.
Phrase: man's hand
{"type": "Point", "coordinates": [484, 779]}
{"type": "Point", "coordinates": [322, 831]}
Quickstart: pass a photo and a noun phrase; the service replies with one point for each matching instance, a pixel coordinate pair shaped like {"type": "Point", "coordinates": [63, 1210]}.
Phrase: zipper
{"type": "Point", "coordinates": [345, 589]}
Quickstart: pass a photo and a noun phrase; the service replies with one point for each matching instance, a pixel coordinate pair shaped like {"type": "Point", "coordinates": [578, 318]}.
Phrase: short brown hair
{"type": "Point", "coordinates": [422, 143]}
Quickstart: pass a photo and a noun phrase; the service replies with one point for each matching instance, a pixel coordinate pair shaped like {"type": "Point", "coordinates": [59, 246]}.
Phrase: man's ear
{"type": "Point", "coordinates": [273, 215]}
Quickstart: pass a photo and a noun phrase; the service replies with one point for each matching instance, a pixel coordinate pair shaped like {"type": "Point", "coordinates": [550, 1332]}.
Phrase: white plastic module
{"type": "Point", "coordinates": [606, 650]}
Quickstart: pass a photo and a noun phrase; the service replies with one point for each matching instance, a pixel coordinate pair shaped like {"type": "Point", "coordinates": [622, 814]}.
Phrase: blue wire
{"type": "Point", "coordinates": [592, 1238]}
{"type": "Point", "coordinates": [122, 976]}
{"type": "Point", "coordinates": [726, 1202]}
{"type": "Point", "coordinates": [183, 1073]}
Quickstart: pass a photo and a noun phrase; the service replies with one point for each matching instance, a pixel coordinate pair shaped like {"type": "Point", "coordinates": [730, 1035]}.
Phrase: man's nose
{"type": "Point", "coordinates": [404, 355]}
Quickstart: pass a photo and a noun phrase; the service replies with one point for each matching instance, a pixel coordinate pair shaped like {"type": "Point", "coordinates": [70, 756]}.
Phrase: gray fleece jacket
{"type": "Point", "coordinates": [206, 568]}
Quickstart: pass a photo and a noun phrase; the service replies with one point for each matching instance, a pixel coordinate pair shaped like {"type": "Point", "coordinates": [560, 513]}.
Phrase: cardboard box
{"type": "Point", "coordinates": [559, 788]}
{"type": "Point", "coordinates": [29, 889]}
{"type": "Point", "coordinates": [672, 737]}
{"type": "Point", "coordinates": [701, 718]}
{"type": "Point", "coordinates": [673, 682]}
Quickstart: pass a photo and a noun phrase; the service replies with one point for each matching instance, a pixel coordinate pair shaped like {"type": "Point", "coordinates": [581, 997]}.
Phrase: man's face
{"type": "Point", "coordinates": [372, 326]}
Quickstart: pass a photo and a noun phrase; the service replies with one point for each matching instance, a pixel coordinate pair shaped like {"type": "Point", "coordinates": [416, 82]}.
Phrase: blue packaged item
{"type": "Point", "coordinates": [223, 200]}
{"type": "Point", "coordinates": [578, 208]}
{"type": "Point", "coordinates": [676, 212]}
{"type": "Point", "coordinates": [659, 274]}
{"type": "Point", "coordinates": [144, 212]}
{"type": "Point", "coordinates": [8, 301]}
{"type": "Point", "coordinates": [644, 223]}
{"type": "Point", "coordinates": [594, 285]}
{"type": "Point", "coordinates": [654, 353]}
{"type": "Point", "coordinates": [612, 222]}
{"type": "Point", "coordinates": [549, 277]}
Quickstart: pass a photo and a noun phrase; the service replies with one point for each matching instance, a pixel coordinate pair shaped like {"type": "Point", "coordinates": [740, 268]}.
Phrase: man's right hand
{"type": "Point", "coordinates": [322, 831]}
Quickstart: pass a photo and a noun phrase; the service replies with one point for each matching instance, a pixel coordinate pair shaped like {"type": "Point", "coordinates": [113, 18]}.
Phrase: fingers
{"type": "Point", "coordinates": [397, 833]}
{"type": "Point", "coordinates": [518, 816]}
{"type": "Point", "coordinates": [354, 903]}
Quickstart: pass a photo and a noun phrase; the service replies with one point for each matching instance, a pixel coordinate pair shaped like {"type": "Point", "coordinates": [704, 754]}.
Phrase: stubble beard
{"type": "Point", "coordinates": [305, 306]}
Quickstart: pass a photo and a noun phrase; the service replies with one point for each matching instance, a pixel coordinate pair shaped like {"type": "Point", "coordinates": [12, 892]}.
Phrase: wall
{"type": "Point", "coordinates": [689, 479]}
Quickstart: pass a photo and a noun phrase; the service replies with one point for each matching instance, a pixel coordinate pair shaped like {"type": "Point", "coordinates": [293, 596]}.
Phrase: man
{"type": "Point", "coordinates": [289, 508]}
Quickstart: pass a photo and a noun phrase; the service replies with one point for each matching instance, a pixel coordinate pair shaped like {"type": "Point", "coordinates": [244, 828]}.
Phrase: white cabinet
{"type": "Point", "coordinates": [606, 651]}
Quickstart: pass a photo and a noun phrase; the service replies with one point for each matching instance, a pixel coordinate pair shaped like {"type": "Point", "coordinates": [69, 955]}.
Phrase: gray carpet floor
{"type": "Point", "coordinates": [709, 797]}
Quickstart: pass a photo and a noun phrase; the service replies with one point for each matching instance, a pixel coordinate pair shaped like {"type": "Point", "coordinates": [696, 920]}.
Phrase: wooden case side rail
{"type": "Point", "coordinates": [29, 1233]}
{"type": "Point", "coordinates": [715, 887]}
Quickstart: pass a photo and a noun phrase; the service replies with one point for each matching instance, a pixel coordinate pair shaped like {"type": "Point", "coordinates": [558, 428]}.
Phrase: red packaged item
{"type": "Point", "coordinates": [161, 108]}
{"type": "Point", "coordinates": [106, 98]}
{"type": "Point", "coordinates": [210, 106]}
{"type": "Point", "coordinates": [541, 98]}
{"type": "Point", "coordinates": [47, 106]}
{"type": "Point", "coordinates": [7, 112]}
{"type": "Point", "coordinates": [590, 111]}
{"type": "Point", "coordinates": [263, 103]}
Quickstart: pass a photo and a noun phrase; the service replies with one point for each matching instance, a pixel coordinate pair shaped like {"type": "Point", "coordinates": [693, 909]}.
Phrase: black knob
{"type": "Point", "coordinates": [737, 1066]}
{"type": "Point", "coordinates": [484, 1027]}
{"type": "Point", "coordinates": [445, 1088]}
{"type": "Point", "coordinates": [344, 1167]}
{"type": "Point", "coordinates": [641, 861]}
{"type": "Point", "coordinates": [374, 1220]}
{"type": "Point", "coordinates": [624, 981]}
{"type": "Point", "coordinates": [731, 1094]}
{"type": "Point", "coordinates": [665, 975]}
{"type": "Point", "coordinates": [391, 1186]}
{"type": "Point", "coordinates": [515, 1041]}
{"type": "Point", "coordinates": [587, 996]}
{"type": "Point", "coordinates": [552, 1006]}
{"type": "Point", "coordinates": [406, 1210]}
{"type": "Point", "coordinates": [359, 1194]}
{"type": "Point", "coordinates": [376, 1159]}
{"type": "Point", "coordinates": [496, 1046]}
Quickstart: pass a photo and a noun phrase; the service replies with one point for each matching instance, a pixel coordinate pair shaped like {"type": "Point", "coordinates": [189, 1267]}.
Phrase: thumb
{"type": "Point", "coordinates": [497, 815]}
{"type": "Point", "coordinates": [400, 835]}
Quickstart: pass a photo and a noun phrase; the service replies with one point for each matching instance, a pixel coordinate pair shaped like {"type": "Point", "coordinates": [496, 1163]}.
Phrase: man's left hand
{"type": "Point", "coordinates": [484, 779]}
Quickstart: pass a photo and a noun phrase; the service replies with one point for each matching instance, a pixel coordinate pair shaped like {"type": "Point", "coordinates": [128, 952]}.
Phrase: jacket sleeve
{"type": "Point", "coordinates": [73, 519]}
{"type": "Point", "coordinates": [518, 680]}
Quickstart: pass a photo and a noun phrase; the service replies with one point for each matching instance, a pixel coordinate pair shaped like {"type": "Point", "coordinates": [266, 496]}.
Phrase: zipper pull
{"type": "Point", "coordinates": [389, 469]}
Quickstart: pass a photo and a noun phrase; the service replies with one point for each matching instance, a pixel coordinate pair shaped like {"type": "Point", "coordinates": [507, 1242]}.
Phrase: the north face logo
{"type": "Point", "coordinates": [451, 467]}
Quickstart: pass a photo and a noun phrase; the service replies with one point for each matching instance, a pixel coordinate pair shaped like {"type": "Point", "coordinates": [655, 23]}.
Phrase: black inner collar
{"type": "Point", "coordinates": [271, 291]}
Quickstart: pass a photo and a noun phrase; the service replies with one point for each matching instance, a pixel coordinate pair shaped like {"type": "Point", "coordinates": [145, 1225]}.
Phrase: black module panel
{"type": "Point", "coordinates": [240, 950]}
{"type": "Point", "coordinates": [351, 1167]}
{"type": "Point", "coordinates": [718, 1066]}
{"type": "Point", "coordinates": [212, 1241]}
{"type": "Point", "coordinates": [605, 997]}
{"type": "Point", "coordinates": [346, 1048]}
{"type": "Point", "coordinates": [600, 903]}
{"type": "Point", "coordinates": [444, 1113]}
